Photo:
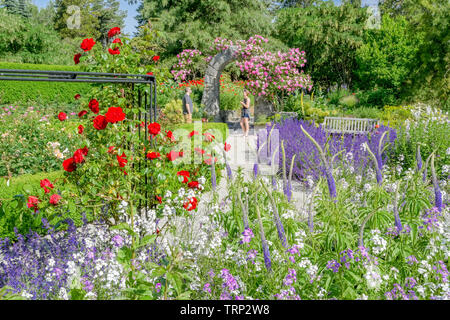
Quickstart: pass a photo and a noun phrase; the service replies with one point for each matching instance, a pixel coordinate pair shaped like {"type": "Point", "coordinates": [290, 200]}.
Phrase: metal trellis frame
{"type": "Point", "coordinates": [146, 94]}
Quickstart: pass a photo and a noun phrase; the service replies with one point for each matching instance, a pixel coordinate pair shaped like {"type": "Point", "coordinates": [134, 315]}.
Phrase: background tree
{"type": "Point", "coordinates": [96, 17]}
{"type": "Point", "coordinates": [386, 59]}
{"type": "Point", "coordinates": [193, 24]}
{"type": "Point", "coordinates": [329, 34]}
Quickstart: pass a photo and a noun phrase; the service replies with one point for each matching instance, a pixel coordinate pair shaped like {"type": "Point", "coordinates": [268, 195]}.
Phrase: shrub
{"type": "Point", "coordinates": [349, 101]}
{"type": "Point", "coordinates": [25, 92]}
{"type": "Point", "coordinates": [172, 113]}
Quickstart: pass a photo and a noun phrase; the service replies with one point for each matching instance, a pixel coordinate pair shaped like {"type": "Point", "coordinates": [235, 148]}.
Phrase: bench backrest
{"type": "Point", "coordinates": [349, 125]}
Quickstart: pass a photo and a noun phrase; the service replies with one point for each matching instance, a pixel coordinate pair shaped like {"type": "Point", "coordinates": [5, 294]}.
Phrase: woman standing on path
{"type": "Point", "coordinates": [245, 114]}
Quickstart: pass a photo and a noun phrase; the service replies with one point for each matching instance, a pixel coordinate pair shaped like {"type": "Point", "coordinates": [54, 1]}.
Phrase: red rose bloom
{"type": "Point", "coordinates": [122, 160]}
{"type": "Point", "coordinates": [54, 199]}
{"type": "Point", "coordinates": [76, 58]}
{"type": "Point", "coordinates": [170, 135]}
{"type": "Point", "coordinates": [117, 41]}
{"type": "Point", "coordinates": [111, 149]}
{"type": "Point", "coordinates": [33, 202]}
{"type": "Point", "coordinates": [115, 115]}
{"type": "Point", "coordinates": [193, 184]}
{"type": "Point", "coordinates": [191, 204]}
{"type": "Point", "coordinates": [209, 137]}
{"type": "Point", "coordinates": [84, 151]}
{"type": "Point", "coordinates": [193, 133]}
{"type": "Point", "coordinates": [184, 174]}
{"type": "Point", "coordinates": [87, 44]}
{"type": "Point", "coordinates": [78, 156]}
{"type": "Point", "coordinates": [82, 113]}
{"type": "Point", "coordinates": [377, 126]}
{"type": "Point", "coordinates": [62, 116]}
{"type": "Point", "coordinates": [114, 31]}
{"type": "Point", "coordinates": [80, 129]}
{"type": "Point", "coordinates": [153, 155]}
{"type": "Point", "coordinates": [46, 183]}
{"type": "Point", "coordinates": [159, 199]}
{"type": "Point", "coordinates": [100, 122]}
{"type": "Point", "coordinates": [154, 128]}
{"type": "Point", "coordinates": [114, 51]}
{"type": "Point", "coordinates": [69, 165]}
{"type": "Point", "coordinates": [77, 96]}
{"type": "Point", "coordinates": [150, 73]}
{"type": "Point", "coordinates": [156, 58]}
{"type": "Point", "coordinates": [227, 147]}
{"type": "Point", "coordinates": [93, 105]}
{"type": "Point", "coordinates": [201, 151]}
{"type": "Point", "coordinates": [172, 155]}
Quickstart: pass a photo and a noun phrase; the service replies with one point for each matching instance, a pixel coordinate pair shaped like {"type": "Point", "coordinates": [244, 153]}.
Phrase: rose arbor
{"type": "Point", "coordinates": [269, 74]}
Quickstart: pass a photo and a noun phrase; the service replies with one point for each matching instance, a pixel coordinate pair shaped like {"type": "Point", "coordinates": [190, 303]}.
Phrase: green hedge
{"type": "Point", "coordinates": [25, 92]}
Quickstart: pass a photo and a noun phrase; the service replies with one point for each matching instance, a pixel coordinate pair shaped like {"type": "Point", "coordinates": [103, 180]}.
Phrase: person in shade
{"type": "Point", "coordinates": [245, 114]}
{"type": "Point", "coordinates": [188, 107]}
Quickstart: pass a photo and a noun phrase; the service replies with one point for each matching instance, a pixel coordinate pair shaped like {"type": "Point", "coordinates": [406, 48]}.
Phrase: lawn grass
{"type": "Point", "coordinates": [26, 184]}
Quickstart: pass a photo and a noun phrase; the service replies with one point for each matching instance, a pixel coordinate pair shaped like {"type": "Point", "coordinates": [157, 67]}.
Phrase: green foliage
{"type": "Point", "coordinates": [26, 183]}
{"type": "Point", "coordinates": [97, 17]}
{"type": "Point", "coordinates": [25, 92]}
{"type": "Point", "coordinates": [29, 41]}
{"type": "Point", "coordinates": [349, 101]}
{"type": "Point", "coordinates": [385, 60]}
{"type": "Point", "coordinates": [172, 113]}
{"type": "Point", "coordinates": [329, 34]}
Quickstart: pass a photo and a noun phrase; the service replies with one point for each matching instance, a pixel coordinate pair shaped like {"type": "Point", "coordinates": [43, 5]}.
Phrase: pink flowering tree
{"type": "Point", "coordinates": [269, 75]}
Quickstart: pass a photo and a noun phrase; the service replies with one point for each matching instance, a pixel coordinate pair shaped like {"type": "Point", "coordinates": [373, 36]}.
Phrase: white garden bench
{"type": "Point", "coordinates": [349, 125]}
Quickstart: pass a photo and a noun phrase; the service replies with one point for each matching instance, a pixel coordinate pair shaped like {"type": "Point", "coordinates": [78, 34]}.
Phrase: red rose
{"type": "Point", "coordinates": [54, 199]}
{"type": "Point", "coordinates": [46, 183]}
{"type": "Point", "coordinates": [76, 58]}
{"type": "Point", "coordinates": [111, 149]}
{"type": "Point", "coordinates": [100, 122]}
{"type": "Point", "coordinates": [191, 204]}
{"type": "Point", "coordinates": [114, 51]}
{"type": "Point", "coordinates": [193, 184]}
{"type": "Point", "coordinates": [113, 32]}
{"type": "Point", "coordinates": [69, 165]}
{"type": "Point", "coordinates": [377, 126]}
{"type": "Point", "coordinates": [115, 115]}
{"type": "Point", "coordinates": [77, 96]}
{"type": "Point", "coordinates": [170, 135]}
{"type": "Point", "coordinates": [80, 129]}
{"type": "Point", "coordinates": [154, 128]}
{"type": "Point", "coordinates": [93, 105]}
{"type": "Point", "coordinates": [78, 156]}
{"type": "Point", "coordinates": [227, 147]}
{"type": "Point", "coordinates": [122, 160]}
{"type": "Point", "coordinates": [201, 151]}
{"type": "Point", "coordinates": [62, 116]}
{"type": "Point", "coordinates": [33, 202]}
{"type": "Point", "coordinates": [184, 174]}
{"type": "Point", "coordinates": [159, 199]}
{"type": "Point", "coordinates": [84, 151]}
{"type": "Point", "coordinates": [117, 41]}
{"type": "Point", "coordinates": [153, 155]}
{"type": "Point", "coordinates": [87, 44]}
{"type": "Point", "coordinates": [209, 137]}
{"type": "Point", "coordinates": [193, 133]}
{"type": "Point", "coordinates": [150, 73]}
{"type": "Point", "coordinates": [82, 113]}
{"type": "Point", "coordinates": [209, 161]}
{"type": "Point", "coordinates": [172, 155]}
{"type": "Point", "coordinates": [156, 58]}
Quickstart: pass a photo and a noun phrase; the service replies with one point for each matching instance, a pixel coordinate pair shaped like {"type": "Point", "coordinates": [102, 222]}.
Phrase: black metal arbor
{"type": "Point", "coordinates": [144, 84]}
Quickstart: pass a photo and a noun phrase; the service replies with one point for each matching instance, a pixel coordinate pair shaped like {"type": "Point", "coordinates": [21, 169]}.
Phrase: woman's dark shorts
{"type": "Point", "coordinates": [245, 113]}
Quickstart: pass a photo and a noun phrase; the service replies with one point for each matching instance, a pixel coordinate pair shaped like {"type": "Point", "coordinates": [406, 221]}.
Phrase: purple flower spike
{"type": "Point", "coordinates": [255, 170]}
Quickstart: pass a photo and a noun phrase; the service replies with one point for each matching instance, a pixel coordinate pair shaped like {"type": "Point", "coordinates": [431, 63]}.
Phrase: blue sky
{"type": "Point", "coordinates": [131, 23]}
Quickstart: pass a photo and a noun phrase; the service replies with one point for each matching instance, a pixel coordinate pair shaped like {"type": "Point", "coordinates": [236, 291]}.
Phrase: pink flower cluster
{"type": "Point", "coordinates": [186, 58]}
{"type": "Point", "coordinates": [268, 73]}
